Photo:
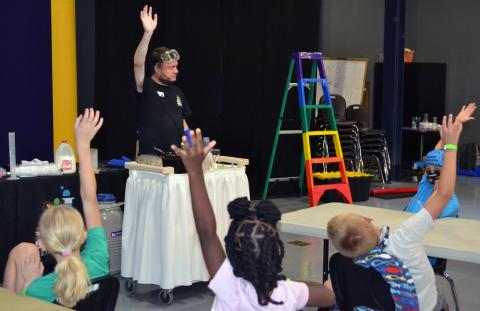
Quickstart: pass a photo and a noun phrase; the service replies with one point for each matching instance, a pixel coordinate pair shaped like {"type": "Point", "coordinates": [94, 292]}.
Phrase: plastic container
{"type": "Point", "coordinates": [65, 158]}
{"type": "Point", "coordinates": [408, 56]}
{"type": "Point", "coordinates": [12, 155]}
{"type": "Point", "coordinates": [106, 198]}
{"type": "Point", "coordinates": [94, 156]}
{"type": "Point", "coordinates": [68, 201]}
{"type": "Point", "coordinates": [206, 141]}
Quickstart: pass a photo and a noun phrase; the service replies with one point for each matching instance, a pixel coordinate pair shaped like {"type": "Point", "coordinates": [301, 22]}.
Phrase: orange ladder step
{"type": "Point", "coordinates": [326, 160]}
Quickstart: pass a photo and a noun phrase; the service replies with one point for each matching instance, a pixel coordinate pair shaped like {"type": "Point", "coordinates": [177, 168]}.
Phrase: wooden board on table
{"type": "Point", "coordinates": [167, 170]}
{"type": "Point", "coordinates": [234, 160]}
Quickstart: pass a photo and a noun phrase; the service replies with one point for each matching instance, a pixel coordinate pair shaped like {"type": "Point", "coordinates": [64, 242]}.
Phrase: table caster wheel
{"type": "Point", "coordinates": [165, 296]}
{"type": "Point", "coordinates": [131, 286]}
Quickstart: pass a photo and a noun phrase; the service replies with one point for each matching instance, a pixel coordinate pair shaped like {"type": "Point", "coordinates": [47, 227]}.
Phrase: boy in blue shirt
{"type": "Point", "coordinates": [432, 165]}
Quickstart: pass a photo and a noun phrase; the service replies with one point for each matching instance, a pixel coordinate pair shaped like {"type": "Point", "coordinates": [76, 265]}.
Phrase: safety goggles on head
{"type": "Point", "coordinates": [169, 56]}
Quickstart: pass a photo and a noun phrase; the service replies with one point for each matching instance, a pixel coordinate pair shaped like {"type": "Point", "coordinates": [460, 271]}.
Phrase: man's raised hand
{"type": "Point", "coordinates": [149, 21]}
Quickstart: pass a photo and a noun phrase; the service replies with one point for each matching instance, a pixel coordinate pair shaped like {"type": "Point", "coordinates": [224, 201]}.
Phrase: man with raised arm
{"type": "Point", "coordinates": [162, 105]}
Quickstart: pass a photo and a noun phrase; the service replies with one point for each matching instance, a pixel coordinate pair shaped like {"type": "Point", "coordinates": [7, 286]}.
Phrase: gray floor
{"type": "Point", "coordinates": [305, 262]}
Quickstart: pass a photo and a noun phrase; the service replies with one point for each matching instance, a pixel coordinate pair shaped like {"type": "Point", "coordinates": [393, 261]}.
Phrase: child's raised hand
{"type": "Point", "coordinates": [450, 131]}
{"type": "Point", "coordinates": [465, 114]}
{"type": "Point", "coordinates": [192, 157]}
{"type": "Point", "coordinates": [87, 125]}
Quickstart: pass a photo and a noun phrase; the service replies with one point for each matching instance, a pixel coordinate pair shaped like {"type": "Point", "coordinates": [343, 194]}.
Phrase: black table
{"type": "Point", "coordinates": [21, 202]}
{"type": "Point", "coordinates": [421, 133]}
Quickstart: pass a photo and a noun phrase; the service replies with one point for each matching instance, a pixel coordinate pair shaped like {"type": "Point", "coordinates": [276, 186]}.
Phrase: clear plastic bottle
{"type": "Point", "coordinates": [414, 122]}
{"type": "Point", "coordinates": [425, 118]}
{"type": "Point", "coordinates": [65, 158]}
{"type": "Point", "coordinates": [206, 141]}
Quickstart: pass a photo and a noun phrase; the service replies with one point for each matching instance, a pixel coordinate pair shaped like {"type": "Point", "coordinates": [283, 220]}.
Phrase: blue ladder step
{"type": "Point", "coordinates": [311, 80]}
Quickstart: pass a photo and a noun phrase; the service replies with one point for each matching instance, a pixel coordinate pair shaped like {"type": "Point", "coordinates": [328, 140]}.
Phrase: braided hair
{"type": "Point", "coordinates": [253, 246]}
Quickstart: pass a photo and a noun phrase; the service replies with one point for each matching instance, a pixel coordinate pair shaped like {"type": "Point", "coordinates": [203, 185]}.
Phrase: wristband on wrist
{"type": "Point", "coordinates": [23, 292]}
{"type": "Point", "coordinates": [450, 147]}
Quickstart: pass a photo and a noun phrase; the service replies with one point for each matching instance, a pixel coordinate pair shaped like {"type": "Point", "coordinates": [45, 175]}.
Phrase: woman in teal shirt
{"type": "Point", "coordinates": [62, 232]}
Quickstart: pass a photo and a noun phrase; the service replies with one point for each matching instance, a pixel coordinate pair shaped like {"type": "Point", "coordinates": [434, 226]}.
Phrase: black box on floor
{"type": "Point", "coordinates": [359, 188]}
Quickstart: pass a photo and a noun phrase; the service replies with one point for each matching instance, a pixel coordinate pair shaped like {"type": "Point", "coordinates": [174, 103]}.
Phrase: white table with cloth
{"type": "Point", "coordinates": [160, 244]}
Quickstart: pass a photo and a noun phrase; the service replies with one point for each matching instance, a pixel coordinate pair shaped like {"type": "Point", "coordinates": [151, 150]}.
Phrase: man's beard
{"type": "Point", "coordinates": [164, 81]}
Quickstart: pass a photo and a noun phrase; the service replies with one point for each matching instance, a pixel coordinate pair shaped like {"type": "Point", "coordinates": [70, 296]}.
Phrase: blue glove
{"type": "Point", "coordinates": [189, 139]}
{"type": "Point", "coordinates": [119, 162]}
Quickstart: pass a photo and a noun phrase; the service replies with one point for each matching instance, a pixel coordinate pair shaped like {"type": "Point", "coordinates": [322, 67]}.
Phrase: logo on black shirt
{"type": "Point", "coordinates": [179, 101]}
{"type": "Point", "coordinates": [161, 94]}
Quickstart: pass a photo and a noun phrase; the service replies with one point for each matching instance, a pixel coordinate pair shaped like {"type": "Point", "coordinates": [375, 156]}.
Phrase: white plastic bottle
{"type": "Point", "coordinates": [65, 158]}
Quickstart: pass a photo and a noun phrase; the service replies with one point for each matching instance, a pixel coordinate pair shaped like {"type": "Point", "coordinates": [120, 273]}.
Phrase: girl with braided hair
{"type": "Point", "coordinates": [248, 278]}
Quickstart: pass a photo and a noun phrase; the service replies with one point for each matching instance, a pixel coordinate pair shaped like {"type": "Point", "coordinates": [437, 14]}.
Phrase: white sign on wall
{"type": "Point", "coordinates": [346, 77]}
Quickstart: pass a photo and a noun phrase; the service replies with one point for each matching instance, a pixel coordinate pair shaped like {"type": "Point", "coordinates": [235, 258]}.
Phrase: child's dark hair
{"type": "Point", "coordinates": [253, 246]}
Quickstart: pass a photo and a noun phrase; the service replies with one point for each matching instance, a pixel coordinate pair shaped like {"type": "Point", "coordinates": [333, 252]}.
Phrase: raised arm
{"type": "Point", "coordinates": [463, 116]}
{"type": "Point", "coordinates": [450, 134]}
{"type": "Point", "coordinates": [86, 126]}
{"type": "Point", "coordinates": [192, 158]}
{"type": "Point", "coordinates": [320, 295]}
{"type": "Point", "coordinates": [149, 24]}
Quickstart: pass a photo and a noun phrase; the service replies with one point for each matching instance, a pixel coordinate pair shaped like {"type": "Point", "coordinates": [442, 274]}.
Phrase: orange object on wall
{"type": "Point", "coordinates": [408, 56]}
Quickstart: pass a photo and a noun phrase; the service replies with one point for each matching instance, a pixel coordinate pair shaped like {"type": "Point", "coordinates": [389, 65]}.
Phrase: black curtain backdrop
{"type": "Point", "coordinates": [26, 79]}
{"type": "Point", "coordinates": [234, 62]}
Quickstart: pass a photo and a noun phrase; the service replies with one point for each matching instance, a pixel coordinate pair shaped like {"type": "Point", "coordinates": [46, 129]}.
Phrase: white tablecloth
{"type": "Point", "coordinates": [159, 242]}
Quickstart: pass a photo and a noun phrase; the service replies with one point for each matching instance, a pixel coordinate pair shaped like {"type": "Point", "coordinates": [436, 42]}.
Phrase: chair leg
{"type": "Point", "coordinates": [454, 291]}
{"type": "Point", "coordinates": [373, 159]}
{"type": "Point", "coordinates": [380, 169]}
{"type": "Point", "coordinates": [350, 161]}
{"type": "Point", "coordinates": [360, 156]}
{"type": "Point", "coordinates": [386, 170]}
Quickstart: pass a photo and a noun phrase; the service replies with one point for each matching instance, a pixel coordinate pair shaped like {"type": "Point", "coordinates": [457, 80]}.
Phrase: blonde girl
{"type": "Point", "coordinates": [62, 233]}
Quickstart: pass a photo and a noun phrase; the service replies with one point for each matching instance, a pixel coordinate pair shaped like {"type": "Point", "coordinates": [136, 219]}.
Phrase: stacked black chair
{"type": "Point", "coordinates": [375, 151]}
{"type": "Point", "coordinates": [339, 107]}
{"type": "Point", "coordinates": [359, 114]}
{"type": "Point", "coordinates": [363, 148]}
{"type": "Point", "coordinates": [348, 134]}
{"type": "Point", "coordinates": [350, 141]}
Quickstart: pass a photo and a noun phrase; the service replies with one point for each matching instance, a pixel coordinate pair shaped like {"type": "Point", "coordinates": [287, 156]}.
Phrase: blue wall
{"type": "Point", "coordinates": [26, 79]}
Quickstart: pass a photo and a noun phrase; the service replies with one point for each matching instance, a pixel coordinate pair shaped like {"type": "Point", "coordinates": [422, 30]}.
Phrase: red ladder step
{"type": "Point", "coordinates": [315, 192]}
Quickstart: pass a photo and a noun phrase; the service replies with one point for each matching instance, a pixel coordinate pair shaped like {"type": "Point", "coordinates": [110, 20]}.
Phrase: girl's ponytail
{"type": "Point", "coordinates": [72, 282]}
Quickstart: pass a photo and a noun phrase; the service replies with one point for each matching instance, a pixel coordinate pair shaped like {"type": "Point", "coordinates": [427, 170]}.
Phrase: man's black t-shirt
{"type": "Point", "coordinates": [162, 110]}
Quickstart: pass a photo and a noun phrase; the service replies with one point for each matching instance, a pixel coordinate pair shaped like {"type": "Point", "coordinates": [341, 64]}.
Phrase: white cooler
{"type": "Point", "coordinates": [112, 218]}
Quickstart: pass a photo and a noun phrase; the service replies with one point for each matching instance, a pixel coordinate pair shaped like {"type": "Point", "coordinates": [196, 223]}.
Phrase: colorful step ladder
{"type": "Point", "coordinates": [315, 192]}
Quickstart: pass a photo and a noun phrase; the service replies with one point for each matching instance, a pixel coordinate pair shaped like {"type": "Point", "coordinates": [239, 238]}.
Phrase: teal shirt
{"type": "Point", "coordinates": [94, 256]}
